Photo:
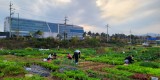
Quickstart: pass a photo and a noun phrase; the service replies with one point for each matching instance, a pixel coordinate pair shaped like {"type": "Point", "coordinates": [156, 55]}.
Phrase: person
{"type": "Point", "coordinates": [54, 56]}
{"type": "Point", "coordinates": [76, 56]}
{"type": "Point", "coordinates": [69, 56]}
{"type": "Point", "coordinates": [49, 57]}
{"type": "Point", "coordinates": [129, 59]}
{"type": "Point", "coordinates": [79, 52]}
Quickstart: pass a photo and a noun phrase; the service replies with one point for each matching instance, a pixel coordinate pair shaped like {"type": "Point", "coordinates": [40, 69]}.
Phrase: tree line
{"type": "Point", "coordinates": [90, 39]}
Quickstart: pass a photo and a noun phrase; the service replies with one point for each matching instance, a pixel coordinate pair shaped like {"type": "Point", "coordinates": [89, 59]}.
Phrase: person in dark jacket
{"type": "Point", "coordinates": [76, 56]}
{"type": "Point", "coordinates": [54, 56]}
{"type": "Point", "coordinates": [129, 59]}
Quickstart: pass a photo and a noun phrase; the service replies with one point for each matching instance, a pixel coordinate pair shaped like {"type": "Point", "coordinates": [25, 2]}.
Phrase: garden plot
{"type": "Point", "coordinates": [92, 65]}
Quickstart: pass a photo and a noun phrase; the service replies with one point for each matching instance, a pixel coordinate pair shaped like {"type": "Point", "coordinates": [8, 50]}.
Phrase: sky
{"type": "Point", "coordinates": [122, 16]}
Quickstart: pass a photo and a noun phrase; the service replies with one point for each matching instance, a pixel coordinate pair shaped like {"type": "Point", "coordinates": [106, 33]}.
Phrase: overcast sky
{"type": "Point", "coordinates": [139, 16]}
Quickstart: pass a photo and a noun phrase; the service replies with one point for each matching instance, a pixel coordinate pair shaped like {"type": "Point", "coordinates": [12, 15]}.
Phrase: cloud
{"type": "Point", "coordinates": [121, 15]}
{"type": "Point", "coordinates": [120, 11]}
{"type": "Point", "coordinates": [152, 28]}
{"type": "Point", "coordinates": [116, 10]}
{"type": "Point", "coordinates": [92, 28]}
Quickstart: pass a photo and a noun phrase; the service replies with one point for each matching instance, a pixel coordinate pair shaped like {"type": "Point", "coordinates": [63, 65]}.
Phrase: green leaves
{"type": "Point", "coordinates": [11, 68]}
{"type": "Point", "coordinates": [150, 64]}
{"type": "Point", "coordinates": [139, 69]}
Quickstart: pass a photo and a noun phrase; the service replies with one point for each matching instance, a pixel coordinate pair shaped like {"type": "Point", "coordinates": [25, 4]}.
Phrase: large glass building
{"type": "Point", "coordinates": [26, 27]}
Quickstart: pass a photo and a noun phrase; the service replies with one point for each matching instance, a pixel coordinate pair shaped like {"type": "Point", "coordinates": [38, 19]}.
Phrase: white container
{"type": "Point", "coordinates": [154, 78]}
{"type": "Point", "coordinates": [44, 59]}
{"type": "Point", "coordinates": [28, 69]}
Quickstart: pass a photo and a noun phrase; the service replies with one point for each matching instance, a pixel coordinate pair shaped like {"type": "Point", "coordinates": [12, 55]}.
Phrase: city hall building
{"type": "Point", "coordinates": [26, 27]}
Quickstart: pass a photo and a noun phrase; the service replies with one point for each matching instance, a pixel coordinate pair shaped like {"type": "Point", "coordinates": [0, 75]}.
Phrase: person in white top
{"type": "Point", "coordinates": [76, 56]}
{"type": "Point", "coordinates": [50, 57]}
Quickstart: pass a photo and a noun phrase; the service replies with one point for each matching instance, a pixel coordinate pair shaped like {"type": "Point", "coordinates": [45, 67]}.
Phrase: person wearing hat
{"type": "Point", "coordinates": [76, 56]}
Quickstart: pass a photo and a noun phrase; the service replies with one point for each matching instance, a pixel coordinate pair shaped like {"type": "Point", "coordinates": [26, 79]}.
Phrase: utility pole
{"type": "Point", "coordinates": [65, 20]}
{"type": "Point", "coordinates": [147, 37]}
{"type": "Point", "coordinates": [107, 33]}
{"type": "Point", "coordinates": [18, 25]}
{"type": "Point", "coordinates": [11, 13]}
{"type": "Point", "coordinates": [65, 23]}
{"type": "Point", "coordinates": [130, 37]}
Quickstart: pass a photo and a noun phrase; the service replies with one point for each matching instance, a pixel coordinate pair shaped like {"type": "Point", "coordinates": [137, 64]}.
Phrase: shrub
{"type": "Point", "coordinates": [29, 49]}
{"type": "Point", "coordinates": [1, 74]}
{"type": "Point", "coordinates": [100, 50]}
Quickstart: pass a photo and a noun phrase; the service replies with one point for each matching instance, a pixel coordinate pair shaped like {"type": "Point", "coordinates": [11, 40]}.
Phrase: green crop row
{"type": "Point", "coordinates": [10, 68]}
{"type": "Point", "coordinates": [111, 74]}
{"type": "Point", "coordinates": [139, 69]}
{"type": "Point", "coordinates": [73, 75]}
{"type": "Point", "coordinates": [49, 66]}
{"type": "Point", "coordinates": [118, 72]}
{"type": "Point", "coordinates": [107, 59]}
{"type": "Point", "coordinates": [150, 64]}
{"type": "Point", "coordinates": [34, 77]}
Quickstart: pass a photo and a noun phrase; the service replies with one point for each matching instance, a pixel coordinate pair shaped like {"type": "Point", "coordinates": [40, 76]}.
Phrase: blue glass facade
{"type": "Point", "coordinates": [26, 26]}
{"type": "Point", "coordinates": [71, 30]}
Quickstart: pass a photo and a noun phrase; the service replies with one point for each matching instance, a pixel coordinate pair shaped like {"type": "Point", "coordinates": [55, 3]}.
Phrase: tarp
{"type": "Point", "coordinates": [151, 38]}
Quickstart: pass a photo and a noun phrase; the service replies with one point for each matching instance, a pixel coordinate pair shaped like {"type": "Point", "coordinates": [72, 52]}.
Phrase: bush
{"type": "Point", "coordinates": [100, 50]}
{"type": "Point", "coordinates": [29, 49]}
{"type": "Point", "coordinates": [1, 74]}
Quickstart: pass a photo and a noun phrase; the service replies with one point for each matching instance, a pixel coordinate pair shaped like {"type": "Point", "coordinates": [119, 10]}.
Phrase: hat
{"type": "Point", "coordinates": [77, 51]}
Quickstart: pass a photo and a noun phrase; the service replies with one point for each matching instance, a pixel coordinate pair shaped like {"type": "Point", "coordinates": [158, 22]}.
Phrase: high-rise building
{"type": "Point", "coordinates": [27, 27]}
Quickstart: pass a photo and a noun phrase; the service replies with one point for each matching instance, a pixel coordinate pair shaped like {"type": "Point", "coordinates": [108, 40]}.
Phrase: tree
{"type": "Point", "coordinates": [74, 41]}
{"type": "Point", "coordinates": [103, 34]}
{"type": "Point", "coordinates": [89, 33]}
{"type": "Point", "coordinates": [84, 34]}
{"type": "Point", "coordinates": [59, 36]}
{"type": "Point", "coordinates": [97, 34]}
{"type": "Point", "coordinates": [92, 42]}
{"type": "Point", "coordinates": [38, 34]}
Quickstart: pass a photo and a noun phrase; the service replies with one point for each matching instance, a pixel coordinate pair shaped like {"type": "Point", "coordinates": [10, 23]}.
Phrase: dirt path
{"type": "Point", "coordinates": [93, 65]}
